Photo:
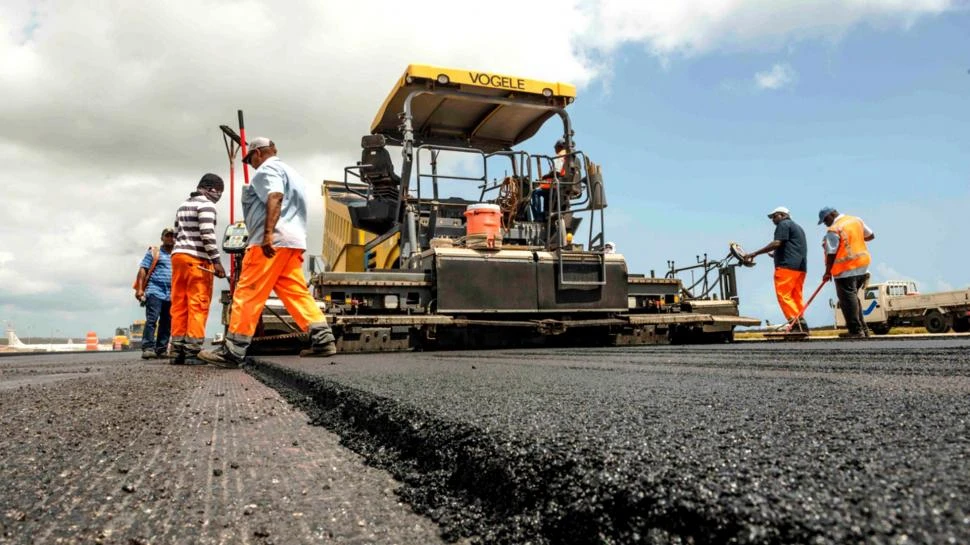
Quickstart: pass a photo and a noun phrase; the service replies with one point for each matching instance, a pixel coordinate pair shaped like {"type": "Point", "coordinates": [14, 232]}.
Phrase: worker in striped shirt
{"type": "Point", "coordinates": [194, 261]}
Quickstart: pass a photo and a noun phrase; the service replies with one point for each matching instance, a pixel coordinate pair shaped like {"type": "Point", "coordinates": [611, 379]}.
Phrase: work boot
{"type": "Point", "coordinates": [148, 355]}
{"type": "Point", "coordinates": [802, 325]}
{"type": "Point", "coordinates": [220, 358]}
{"type": "Point", "coordinates": [852, 335]}
{"type": "Point", "coordinates": [328, 349]}
{"type": "Point", "coordinates": [322, 341]}
{"type": "Point", "coordinates": [177, 356]}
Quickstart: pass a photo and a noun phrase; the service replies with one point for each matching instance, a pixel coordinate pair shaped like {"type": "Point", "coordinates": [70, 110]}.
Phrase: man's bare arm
{"type": "Point", "coordinates": [274, 207]}
{"type": "Point", "coordinates": [772, 246]}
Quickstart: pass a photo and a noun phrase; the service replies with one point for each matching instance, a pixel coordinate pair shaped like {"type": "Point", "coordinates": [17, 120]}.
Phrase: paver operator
{"type": "Point", "coordinates": [275, 209]}
{"type": "Point", "coordinates": [847, 262]}
{"type": "Point", "coordinates": [195, 261]}
{"type": "Point", "coordinates": [790, 252]}
{"type": "Point", "coordinates": [541, 195]}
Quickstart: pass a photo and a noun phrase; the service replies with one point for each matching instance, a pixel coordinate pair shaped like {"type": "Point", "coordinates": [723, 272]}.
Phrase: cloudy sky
{"type": "Point", "coordinates": [706, 114]}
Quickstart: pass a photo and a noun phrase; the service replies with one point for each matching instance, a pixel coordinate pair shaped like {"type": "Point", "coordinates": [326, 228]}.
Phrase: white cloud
{"type": "Point", "coordinates": [110, 110]}
{"type": "Point", "coordinates": [780, 75]}
{"type": "Point", "coordinates": [693, 27]}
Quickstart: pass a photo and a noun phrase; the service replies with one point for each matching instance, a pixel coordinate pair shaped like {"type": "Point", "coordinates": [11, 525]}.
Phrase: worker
{"type": "Point", "coordinates": [847, 262]}
{"type": "Point", "coordinates": [609, 248]}
{"type": "Point", "coordinates": [540, 196]}
{"type": "Point", "coordinates": [195, 261]}
{"type": "Point", "coordinates": [790, 252]}
{"type": "Point", "coordinates": [153, 288]}
{"type": "Point", "coordinates": [275, 209]}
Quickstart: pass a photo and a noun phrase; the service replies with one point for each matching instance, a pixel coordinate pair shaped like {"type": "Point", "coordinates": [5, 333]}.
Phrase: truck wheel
{"type": "Point", "coordinates": [961, 325]}
{"type": "Point", "coordinates": [935, 322]}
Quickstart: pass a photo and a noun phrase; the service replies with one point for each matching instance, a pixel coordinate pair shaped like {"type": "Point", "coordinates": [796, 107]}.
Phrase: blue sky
{"type": "Point", "coordinates": [705, 115]}
{"type": "Point", "coordinates": [876, 124]}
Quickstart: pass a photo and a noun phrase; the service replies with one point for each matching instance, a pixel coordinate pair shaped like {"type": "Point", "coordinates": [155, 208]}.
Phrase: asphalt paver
{"type": "Point", "coordinates": [107, 448]}
{"type": "Point", "coordinates": [828, 442]}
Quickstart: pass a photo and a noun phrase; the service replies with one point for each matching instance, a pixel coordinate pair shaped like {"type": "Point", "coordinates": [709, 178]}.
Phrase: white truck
{"type": "Point", "coordinates": [899, 303]}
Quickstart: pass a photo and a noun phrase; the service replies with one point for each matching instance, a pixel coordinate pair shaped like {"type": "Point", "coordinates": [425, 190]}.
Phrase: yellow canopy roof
{"type": "Point", "coordinates": [443, 117]}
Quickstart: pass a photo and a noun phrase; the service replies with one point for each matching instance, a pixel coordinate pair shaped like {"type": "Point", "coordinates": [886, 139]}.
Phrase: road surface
{"type": "Point", "coordinates": [823, 442]}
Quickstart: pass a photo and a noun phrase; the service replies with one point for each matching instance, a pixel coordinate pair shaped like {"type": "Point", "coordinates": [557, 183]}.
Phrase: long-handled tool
{"type": "Point", "coordinates": [786, 333]}
{"type": "Point", "coordinates": [233, 144]}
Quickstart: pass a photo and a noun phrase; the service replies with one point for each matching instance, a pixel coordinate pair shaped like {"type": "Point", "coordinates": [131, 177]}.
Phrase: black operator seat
{"type": "Point", "coordinates": [379, 213]}
{"type": "Point", "coordinates": [376, 167]}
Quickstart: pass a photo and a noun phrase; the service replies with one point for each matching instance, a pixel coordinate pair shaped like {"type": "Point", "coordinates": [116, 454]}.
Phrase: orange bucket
{"type": "Point", "coordinates": [483, 222]}
{"type": "Point", "coordinates": [92, 341]}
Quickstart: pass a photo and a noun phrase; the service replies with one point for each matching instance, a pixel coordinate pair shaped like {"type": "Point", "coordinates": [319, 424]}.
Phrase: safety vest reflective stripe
{"type": "Point", "coordinates": [852, 252]}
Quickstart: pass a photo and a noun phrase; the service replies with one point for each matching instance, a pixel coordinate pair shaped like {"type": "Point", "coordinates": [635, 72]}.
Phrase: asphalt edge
{"type": "Point", "coordinates": [476, 484]}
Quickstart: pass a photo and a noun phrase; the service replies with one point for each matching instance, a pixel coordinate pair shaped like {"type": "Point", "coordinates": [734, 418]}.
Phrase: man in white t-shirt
{"type": "Point", "coordinates": [275, 209]}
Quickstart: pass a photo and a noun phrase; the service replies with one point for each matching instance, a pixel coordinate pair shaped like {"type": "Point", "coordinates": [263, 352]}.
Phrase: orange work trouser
{"type": "Point", "coordinates": [283, 273]}
{"type": "Point", "coordinates": [789, 285]}
{"type": "Point", "coordinates": [191, 296]}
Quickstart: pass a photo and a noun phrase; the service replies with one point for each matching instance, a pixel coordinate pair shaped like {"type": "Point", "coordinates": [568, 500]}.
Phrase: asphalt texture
{"type": "Point", "coordinates": [105, 448]}
{"type": "Point", "coordinates": [823, 442]}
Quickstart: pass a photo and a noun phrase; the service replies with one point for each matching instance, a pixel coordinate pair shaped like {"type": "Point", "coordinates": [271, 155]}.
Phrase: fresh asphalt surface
{"type": "Point", "coordinates": [822, 442]}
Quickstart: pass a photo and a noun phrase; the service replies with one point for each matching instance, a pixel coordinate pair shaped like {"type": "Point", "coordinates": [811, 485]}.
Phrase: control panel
{"type": "Point", "coordinates": [236, 238]}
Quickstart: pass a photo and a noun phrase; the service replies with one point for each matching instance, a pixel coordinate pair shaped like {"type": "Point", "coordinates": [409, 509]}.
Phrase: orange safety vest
{"type": "Point", "coordinates": [546, 184]}
{"type": "Point", "coordinates": [853, 252]}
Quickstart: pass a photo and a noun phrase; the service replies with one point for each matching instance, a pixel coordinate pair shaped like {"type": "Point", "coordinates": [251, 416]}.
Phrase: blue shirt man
{"type": "Point", "coordinates": [154, 290]}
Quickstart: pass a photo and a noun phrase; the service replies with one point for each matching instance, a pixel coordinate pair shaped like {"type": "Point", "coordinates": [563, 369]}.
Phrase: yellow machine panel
{"type": "Point", "coordinates": [343, 245]}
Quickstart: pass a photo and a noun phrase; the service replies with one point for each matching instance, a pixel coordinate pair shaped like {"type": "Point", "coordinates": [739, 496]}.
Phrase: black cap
{"type": "Point", "coordinates": [560, 144]}
{"type": "Point", "coordinates": [211, 181]}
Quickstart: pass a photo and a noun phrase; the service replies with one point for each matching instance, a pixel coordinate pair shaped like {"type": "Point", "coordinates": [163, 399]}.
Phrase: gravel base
{"type": "Point", "coordinates": [852, 442]}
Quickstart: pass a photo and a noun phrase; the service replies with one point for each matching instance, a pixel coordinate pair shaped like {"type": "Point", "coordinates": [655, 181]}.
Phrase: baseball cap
{"type": "Point", "coordinates": [168, 231]}
{"type": "Point", "coordinates": [255, 144]}
{"type": "Point", "coordinates": [824, 212]}
{"type": "Point", "coordinates": [780, 209]}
